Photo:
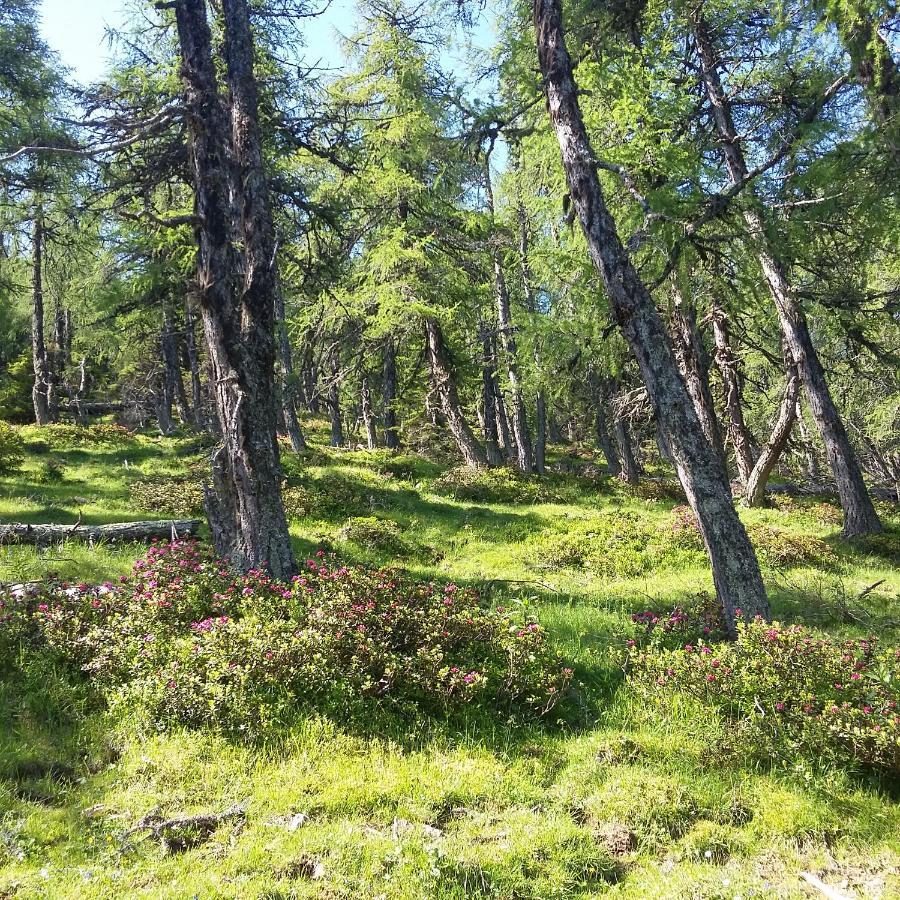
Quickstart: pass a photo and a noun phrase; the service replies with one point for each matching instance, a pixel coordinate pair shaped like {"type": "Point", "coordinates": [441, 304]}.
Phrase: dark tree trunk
{"type": "Point", "coordinates": [601, 430]}
{"type": "Point", "coordinates": [729, 369]}
{"type": "Point", "coordinates": [859, 513]}
{"type": "Point", "coordinates": [507, 334]}
{"type": "Point", "coordinates": [193, 361]}
{"type": "Point", "coordinates": [62, 337]}
{"type": "Point", "coordinates": [629, 470]}
{"type": "Point", "coordinates": [735, 568]}
{"type": "Point", "coordinates": [288, 385]}
{"type": "Point", "coordinates": [236, 279]}
{"type": "Point", "coordinates": [172, 384]}
{"type": "Point", "coordinates": [540, 443]}
{"type": "Point", "coordinates": [504, 432]}
{"type": "Point", "coordinates": [42, 391]}
{"type": "Point", "coordinates": [755, 493]}
{"type": "Point", "coordinates": [389, 396]}
{"type": "Point", "coordinates": [334, 400]}
{"type": "Point", "coordinates": [693, 362]}
{"type": "Point", "coordinates": [489, 399]}
{"type": "Point", "coordinates": [445, 386]}
{"type": "Point", "coordinates": [368, 417]}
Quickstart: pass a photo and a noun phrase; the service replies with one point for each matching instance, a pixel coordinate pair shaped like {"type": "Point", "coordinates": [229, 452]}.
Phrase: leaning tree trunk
{"type": "Point", "coordinates": [736, 573]}
{"type": "Point", "coordinates": [859, 512]}
{"type": "Point", "coordinates": [729, 369]}
{"type": "Point", "coordinates": [236, 279]}
{"type": "Point", "coordinates": [445, 386]}
{"type": "Point", "coordinates": [42, 391]}
{"type": "Point", "coordinates": [768, 458]}
{"type": "Point", "coordinates": [489, 398]}
{"type": "Point", "coordinates": [389, 395]}
{"type": "Point", "coordinates": [507, 334]}
{"type": "Point", "coordinates": [693, 362]}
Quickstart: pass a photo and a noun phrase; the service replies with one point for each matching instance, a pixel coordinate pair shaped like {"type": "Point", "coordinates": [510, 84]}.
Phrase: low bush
{"type": "Point", "coordinates": [497, 485]}
{"type": "Point", "coordinates": [780, 548]}
{"type": "Point", "coordinates": [60, 434]}
{"type": "Point", "coordinates": [12, 450]}
{"type": "Point", "coordinates": [51, 471]}
{"type": "Point", "coordinates": [380, 535]}
{"type": "Point", "coordinates": [176, 497]}
{"type": "Point", "coordinates": [787, 692]}
{"type": "Point", "coordinates": [189, 643]}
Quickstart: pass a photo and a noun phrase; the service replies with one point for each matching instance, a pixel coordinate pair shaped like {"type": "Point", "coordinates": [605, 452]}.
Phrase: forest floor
{"type": "Point", "coordinates": [634, 803]}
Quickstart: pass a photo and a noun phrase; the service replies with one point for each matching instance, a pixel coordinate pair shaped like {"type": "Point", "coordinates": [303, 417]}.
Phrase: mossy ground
{"type": "Point", "coordinates": [636, 802]}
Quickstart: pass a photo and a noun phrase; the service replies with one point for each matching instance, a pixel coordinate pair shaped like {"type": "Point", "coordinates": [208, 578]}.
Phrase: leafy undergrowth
{"type": "Point", "coordinates": [645, 790]}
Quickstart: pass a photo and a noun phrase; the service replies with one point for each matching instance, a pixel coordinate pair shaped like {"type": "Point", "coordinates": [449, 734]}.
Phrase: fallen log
{"type": "Point", "coordinates": [168, 529]}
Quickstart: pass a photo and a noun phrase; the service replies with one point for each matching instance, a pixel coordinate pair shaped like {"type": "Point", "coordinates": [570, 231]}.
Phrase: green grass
{"type": "Point", "coordinates": [633, 804]}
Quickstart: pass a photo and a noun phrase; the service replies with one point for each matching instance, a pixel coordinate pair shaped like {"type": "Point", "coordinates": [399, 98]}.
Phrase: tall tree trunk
{"type": "Point", "coordinates": [693, 361]}
{"type": "Point", "coordinates": [389, 395]}
{"type": "Point", "coordinates": [236, 279]}
{"type": "Point", "coordinates": [62, 337]}
{"type": "Point", "coordinates": [629, 471]}
{"type": "Point", "coordinates": [42, 391]}
{"type": "Point", "coordinates": [813, 472]}
{"type": "Point", "coordinates": [288, 385]}
{"type": "Point", "coordinates": [755, 494]}
{"type": "Point", "coordinates": [507, 334]}
{"type": "Point", "coordinates": [334, 399]}
{"type": "Point", "coordinates": [193, 361]}
{"type": "Point", "coordinates": [368, 417]}
{"type": "Point", "coordinates": [735, 568]}
{"type": "Point", "coordinates": [445, 385]}
{"type": "Point", "coordinates": [540, 443]}
{"type": "Point", "coordinates": [601, 432]}
{"type": "Point", "coordinates": [729, 369]}
{"type": "Point", "coordinates": [859, 513]}
{"type": "Point", "coordinates": [489, 399]}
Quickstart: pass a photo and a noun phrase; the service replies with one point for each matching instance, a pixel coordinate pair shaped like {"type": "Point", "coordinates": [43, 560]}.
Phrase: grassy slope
{"type": "Point", "coordinates": [519, 814]}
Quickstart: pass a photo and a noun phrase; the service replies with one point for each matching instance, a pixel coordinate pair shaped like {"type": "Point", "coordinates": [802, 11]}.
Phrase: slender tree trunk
{"type": "Point", "coordinates": [813, 472]}
{"type": "Point", "coordinates": [540, 444]}
{"type": "Point", "coordinates": [601, 432]}
{"type": "Point", "coordinates": [193, 360]}
{"type": "Point", "coordinates": [389, 395]}
{"type": "Point", "coordinates": [859, 513]}
{"type": "Point", "coordinates": [368, 417]}
{"type": "Point", "coordinates": [693, 362]}
{"type": "Point", "coordinates": [236, 278]}
{"type": "Point", "coordinates": [755, 494]}
{"type": "Point", "coordinates": [729, 369]}
{"type": "Point", "coordinates": [334, 399]}
{"type": "Point", "coordinates": [489, 399]}
{"type": "Point", "coordinates": [41, 393]}
{"type": "Point", "coordinates": [629, 470]}
{"type": "Point", "coordinates": [288, 386]}
{"type": "Point", "coordinates": [507, 334]}
{"type": "Point", "coordinates": [735, 568]}
{"type": "Point", "coordinates": [84, 385]}
{"type": "Point", "coordinates": [445, 385]}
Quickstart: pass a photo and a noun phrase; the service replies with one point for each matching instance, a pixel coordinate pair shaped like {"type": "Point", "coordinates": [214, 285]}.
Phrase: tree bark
{"type": "Point", "coordinates": [768, 458]}
{"type": "Point", "coordinates": [170, 529]}
{"type": "Point", "coordinates": [489, 399]}
{"type": "Point", "coordinates": [735, 568]}
{"type": "Point", "coordinates": [42, 391]}
{"type": "Point", "coordinates": [729, 369]}
{"type": "Point", "coordinates": [813, 472]}
{"type": "Point", "coordinates": [445, 386]}
{"type": "Point", "coordinates": [334, 399]}
{"type": "Point", "coordinates": [368, 417]}
{"type": "Point", "coordinates": [693, 361]}
{"type": "Point", "coordinates": [236, 289]}
{"type": "Point", "coordinates": [629, 471]}
{"type": "Point", "coordinates": [601, 429]}
{"type": "Point", "coordinates": [389, 395]}
{"type": "Point", "coordinates": [288, 386]}
{"type": "Point", "coordinates": [859, 513]}
{"type": "Point", "coordinates": [507, 334]}
{"type": "Point", "coordinates": [540, 443]}
{"type": "Point", "coordinates": [193, 359]}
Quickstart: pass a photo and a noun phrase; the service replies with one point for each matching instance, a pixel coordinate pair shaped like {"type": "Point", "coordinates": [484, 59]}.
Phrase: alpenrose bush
{"type": "Point", "coordinates": [788, 692]}
{"type": "Point", "coordinates": [187, 641]}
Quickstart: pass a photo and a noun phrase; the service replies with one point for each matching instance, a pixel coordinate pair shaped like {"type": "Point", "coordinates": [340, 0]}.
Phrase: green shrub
{"type": "Point", "coordinates": [380, 535]}
{"type": "Point", "coordinates": [170, 497]}
{"type": "Point", "coordinates": [785, 691]}
{"type": "Point", "coordinates": [777, 547]}
{"type": "Point", "coordinates": [12, 450]}
{"type": "Point", "coordinates": [499, 485]}
{"type": "Point", "coordinates": [189, 643]}
{"type": "Point", "coordinates": [51, 471]}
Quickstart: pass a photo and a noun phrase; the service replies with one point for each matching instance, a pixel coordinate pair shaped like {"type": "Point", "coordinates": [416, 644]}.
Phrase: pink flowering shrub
{"type": "Point", "coordinates": [788, 692]}
{"type": "Point", "coordinates": [190, 642]}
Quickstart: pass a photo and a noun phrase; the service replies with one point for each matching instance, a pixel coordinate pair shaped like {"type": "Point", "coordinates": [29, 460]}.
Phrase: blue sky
{"type": "Point", "coordinates": [76, 30]}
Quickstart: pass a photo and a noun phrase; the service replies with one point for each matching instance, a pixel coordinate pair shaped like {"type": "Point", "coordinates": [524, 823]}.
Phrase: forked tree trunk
{"type": "Point", "coordinates": [368, 417]}
{"type": "Point", "coordinates": [448, 394]}
{"type": "Point", "coordinates": [693, 362]}
{"type": "Point", "coordinates": [859, 513]}
{"type": "Point", "coordinates": [237, 283]}
{"type": "Point", "coordinates": [735, 568]}
{"type": "Point", "coordinates": [729, 369]}
{"type": "Point", "coordinates": [42, 391]}
{"type": "Point", "coordinates": [389, 395]}
{"type": "Point", "coordinates": [489, 399]}
{"type": "Point", "coordinates": [507, 334]}
{"type": "Point", "coordinates": [755, 494]}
